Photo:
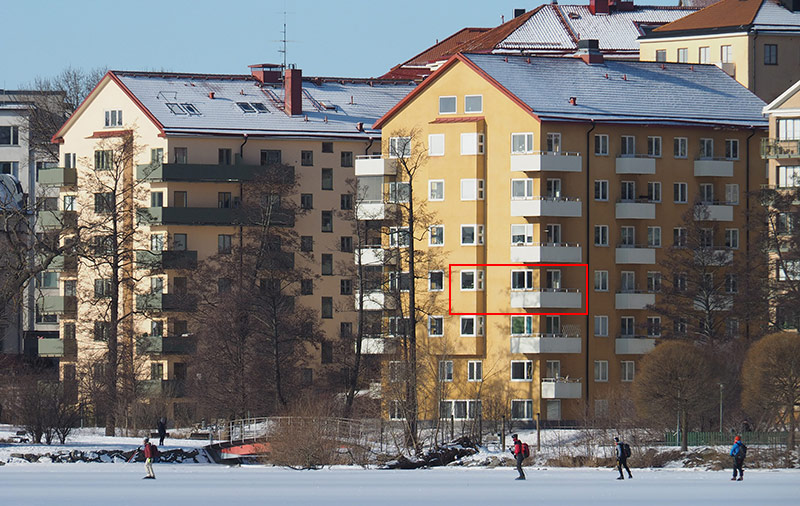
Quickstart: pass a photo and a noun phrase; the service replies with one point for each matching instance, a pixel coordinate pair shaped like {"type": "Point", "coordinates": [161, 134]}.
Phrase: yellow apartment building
{"type": "Point", "coordinates": [552, 190]}
{"type": "Point", "coordinates": [757, 42]}
{"type": "Point", "coordinates": [196, 140]}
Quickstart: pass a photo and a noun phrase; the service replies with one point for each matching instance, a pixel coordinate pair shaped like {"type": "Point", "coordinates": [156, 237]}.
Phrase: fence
{"type": "Point", "coordinates": [726, 438]}
{"type": "Point", "coordinates": [341, 429]}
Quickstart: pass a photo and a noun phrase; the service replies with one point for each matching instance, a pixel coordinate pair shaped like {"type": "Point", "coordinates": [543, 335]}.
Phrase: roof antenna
{"type": "Point", "coordinates": [284, 41]}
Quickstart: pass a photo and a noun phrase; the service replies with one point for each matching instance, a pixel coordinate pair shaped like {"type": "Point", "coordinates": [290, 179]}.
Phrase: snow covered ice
{"type": "Point", "coordinates": [206, 484]}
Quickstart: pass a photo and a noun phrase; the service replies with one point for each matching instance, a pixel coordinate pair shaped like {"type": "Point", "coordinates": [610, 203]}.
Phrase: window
{"type": "Point", "coordinates": [103, 159]}
{"type": "Point", "coordinates": [71, 158]}
{"type": "Point", "coordinates": [157, 242]}
{"type": "Point", "coordinates": [601, 190]}
{"type": "Point", "coordinates": [788, 128]}
{"type": "Point", "coordinates": [680, 193]}
{"type": "Point", "coordinates": [224, 156]}
{"type": "Point", "coordinates": [679, 237]}
{"type": "Point", "coordinates": [48, 279]}
{"type": "Point", "coordinates": [326, 355]}
{"type": "Point", "coordinates": [223, 285]}
{"type": "Point", "coordinates": [224, 243]}
{"type": "Point", "coordinates": [399, 237]}
{"type": "Point", "coordinates": [224, 200]}
{"type": "Point", "coordinates": [395, 410]}
{"type": "Point", "coordinates": [306, 158]}
{"type": "Point", "coordinates": [679, 282]}
{"type": "Point", "coordinates": [471, 235]}
{"type": "Point", "coordinates": [732, 194]}
{"type": "Point", "coordinates": [726, 54]}
{"type": "Point", "coordinates": [521, 143]}
{"type": "Point", "coordinates": [180, 199]}
{"type": "Point", "coordinates": [472, 326]}
{"type": "Point", "coordinates": [552, 233]}
{"type": "Point", "coordinates": [732, 327]}
{"type": "Point", "coordinates": [327, 264]}
{"type": "Point", "coordinates": [789, 176]}
{"type": "Point", "coordinates": [601, 370]}
{"type": "Point", "coordinates": [327, 179]}
{"type": "Point", "coordinates": [472, 189]}
{"type": "Point", "coordinates": [706, 148]}
{"type": "Point", "coordinates": [445, 370]}
{"type": "Point", "coordinates": [521, 370]}
{"type": "Point", "coordinates": [474, 370]}
{"type": "Point", "coordinates": [472, 144]}
{"type": "Point", "coordinates": [653, 326]}
{"type": "Point", "coordinates": [346, 202]}
{"type": "Point", "coordinates": [680, 326]}
{"type": "Point", "coordinates": [472, 280]}
{"type": "Point", "coordinates": [156, 199]}
{"type": "Point", "coordinates": [246, 107]}
{"type": "Point", "coordinates": [436, 190]}
{"type": "Point", "coordinates": [114, 118]}
{"type": "Point", "coordinates": [101, 331]}
{"type": "Point", "coordinates": [399, 147]}
{"type": "Point", "coordinates": [306, 201]}
{"type": "Point", "coordinates": [473, 103]}
{"type": "Point", "coordinates": [732, 238]}
{"type": "Point", "coordinates": [770, 54]}
{"type": "Point", "coordinates": [522, 279]}
{"type": "Point", "coordinates": [327, 307]}
{"type": "Point", "coordinates": [628, 191]}
{"type": "Point", "coordinates": [653, 237]}
{"type": "Point", "coordinates": [306, 287]}
{"type": "Point", "coordinates": [702, 56]}
{"type": "Point", "coordinates": [731, 283]}
{"type": "Point", "coordinates": [553, 143]}
{"type": "Point", "coordinates": [521, 325]}
{"type": "Point", "coordinates": [706, 193]}
{"type": "Point", "coordinates": [653, 281]}
{"type": "Point", "coordinates": [447, 105]}
{"type": "Point", "coordinates": [601, 326]}
{"type": "Point", "coordinates": [436, 145]}
{"type": "Point", "coordinates": [522, 234]}
{"type": "Point", "coordinates": [270, 156]}
{"type": "Point", "coordinates": [436, 235]}
{"type": "Point", "coordinates": [9, 136]}
{"type": "Point", "coordinates": [436, 326]}
{"type": "Point", "coordinates": [654, 147]}
{"type": "Point", "coordinates": [680, 147]}
{"type": "Point", "coordinates": [69, 202]}
{"type": "Point", "coordinates": [327, 221]}
{"type": "Point", "coordinates": [600, 281]}
{"type": "Point", "coordinates": [522, 409]}
{"type": "Point", "coordinates": [346, 244]}
{"type": "Point", "coordinates": [661, 55]}
{"type": "Point", "coordinates": [601, 144]}
{"type": "Point", "coordinates": [628, 283]}
{"type": "Point", "coordinates": [327, 147]}
{"type": "Point", "coordinates": [731, 149]}
{"type": "Point", "coordinates": [103, 202]}
{"type": "Point", "coordinates": [627, 145]}
{"type": "Point", "coordinates": [627, 326]}
{"type": "Point", "coordinates": [181, 155]}
{"type": "Point", "coordinates": [435, 281]}
{"type": "Point", "coordinates": [399, 192]}
{"type": "Point", "coordinates": [601, 235]}
{"type": "Point", "coordinates": [628, 368]}
{"type": "Point", "coordinates": [683, 55]}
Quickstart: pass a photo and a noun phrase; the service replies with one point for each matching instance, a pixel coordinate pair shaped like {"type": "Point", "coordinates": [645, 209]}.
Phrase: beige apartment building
{"type": "Point", "coordinates": [553, 190]}
{"type": "Point", "coordinates": [195, 142]}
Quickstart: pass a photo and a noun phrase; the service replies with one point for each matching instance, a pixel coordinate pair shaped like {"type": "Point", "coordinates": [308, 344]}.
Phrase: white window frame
{"type": "Point", "coordinates": [527, 141]}
{"type": "Point", "coordinates": [627, 145]}
{"type": "Point", "coordinates": [653, 237]}
{"type": "Point", "coordinates": [526, 276]}
{"type": "Point", "coordinates": [394, 235]}
{"type": "Point", "coordinates": [680, 147]}
{"type": "Point", "coordinates": [603, 229]}
{"type": "Point", "coordinates": [654, 146]}
{"type": "Point", "coordinates": [477, 233]}
{"type": "Point", "coordinates": [395, 143]}
{"type": "Point", "coordinates": [601, 187]}
{"type": "Point", "coordinates": [445, 371]}
{"type": "Point", "coordinates": [445, 99]}
{"type": "Point", "coordinates": [553, 139]}
{"type": "Point", "coordinates": [706, 149]}
{"type": "Point", "coordinates": [431, 242]}
{"type": "Point", "coordinates": [472, 143]}
{"type": "Point", "coordinates": [431, 184]}
{"type": "Point", "coordinates": [731, 149]}
{"type": "Point", "coordinates": [478, 280]}
{"type": "Point", "coordinates": [527, 409]}
{"type": "Point", "coordinates": [601, 326]}
{"type": "Point", "coordinates": [732, 238]}
{"type": "Point", "coordinates": [527, 323]}
{"type": "Point", "coordinates": [524, 184]}
{"type": "Point", "coordinates": [475, 370]}
{"type": "Point", "coordinates": [435, 144]}
{"type": "Point", "coordinates": [681, 191]}
{"type": "Point", "coordinates": [600, 281]}
{"type": "Point", "coordinates": [653, 326]}
{"type": "Point", "coordinates": [113, 118]}
{"type": "Point", "coordinates": [431, 319]}
{"type": "Point", "coordinates": [602, 139]}
{"type": "Point", "coordinates": [478, 325]}
{"type": "Point", "coordinates": [467, 110]}
{"type": "Point", "coordinates": [732, 194]}
{"type": "Point", "coordinates": [627, 323]}
{"type": "Point", "coordinates": [601, 371]}
{"type": "Point", "coordinates": [627, 370]}
{"type": "Point", "coordinates": [654, 191]}
{"type": "Point", "coordinates": [524, 230]}
{"type": "Point", "coordinates": [527, 370]}
{"type": "Point", "coordinates": [473, 186]}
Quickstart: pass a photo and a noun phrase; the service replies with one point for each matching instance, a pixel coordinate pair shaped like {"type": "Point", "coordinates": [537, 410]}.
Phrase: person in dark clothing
{"type": "Point", "coordinates": [622, 459]}
{"type": "Point", "coordinates": [148, 459]}
{"type": "Point", "coordinates": [519, 456]}
{"type": "Point", "coordinates": [738, 452]}
{"type": "Point", "coordinates": [162, 431]}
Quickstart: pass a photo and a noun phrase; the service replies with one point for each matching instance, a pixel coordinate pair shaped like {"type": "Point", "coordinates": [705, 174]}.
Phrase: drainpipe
{"type": "Point", "coordinates": [371, 141]}
{"type": "Point", "coordinates": [588, 249]}
{"type": "Point", "coordinates": [753, 67]}
{"type": "Point", "coordinates": [241, 149]}
{"type": "Point", "coordinates": [747, 209]}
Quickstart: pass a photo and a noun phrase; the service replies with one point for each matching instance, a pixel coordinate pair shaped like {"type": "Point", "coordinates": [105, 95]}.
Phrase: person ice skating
{"type": "Point", "coordinates": [519, 456]}
{"type": "Point", "coordinates": [738, 452]}
{"type": "Point", "coordinates": [148, 459]}
{"type": "Point", "coordinates": [623, 452]}
{"type": "Point", "coordinates": [162, 431]}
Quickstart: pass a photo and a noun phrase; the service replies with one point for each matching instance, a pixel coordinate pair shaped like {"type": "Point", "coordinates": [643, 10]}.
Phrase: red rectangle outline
{"type": "Point", "coordinates": [450, 288]}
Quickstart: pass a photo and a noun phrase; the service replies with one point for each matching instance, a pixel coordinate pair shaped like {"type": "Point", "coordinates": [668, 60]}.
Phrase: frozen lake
{"type": "Point", "coordinates": [121, 484]}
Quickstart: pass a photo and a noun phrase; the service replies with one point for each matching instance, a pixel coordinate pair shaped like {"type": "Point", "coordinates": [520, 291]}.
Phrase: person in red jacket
{"type": "Point", "coordinates": [518, 456]}
{"type": "Point", "coordinates": [148, 459]}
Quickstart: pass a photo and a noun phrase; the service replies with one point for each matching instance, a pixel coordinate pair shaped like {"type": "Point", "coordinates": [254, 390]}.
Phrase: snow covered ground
{"type": "Point", "coordinates": [206, 484]}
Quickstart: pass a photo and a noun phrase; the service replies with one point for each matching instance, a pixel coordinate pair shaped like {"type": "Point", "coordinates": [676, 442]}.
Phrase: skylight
{"type": "Point", "coordinates": [176, 108]}
{"type": "Point", "coordinates": [191, 109]}
{"type": "Point", "coordinates": [245, 107]}
{"type": "Point", "coordinates": [259, 106]}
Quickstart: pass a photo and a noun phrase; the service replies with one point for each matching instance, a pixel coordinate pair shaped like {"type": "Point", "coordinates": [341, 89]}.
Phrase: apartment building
{"type": "Point", "coordinates": [757, 42]}
{"type": "Point", "coordinates": [197, 140]}
{"type": "Point", "coordinates": [555, 187]}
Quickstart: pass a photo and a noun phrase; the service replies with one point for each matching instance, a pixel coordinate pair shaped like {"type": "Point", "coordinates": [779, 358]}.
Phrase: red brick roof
{"type": "Point", "coordinates": [719, 15]}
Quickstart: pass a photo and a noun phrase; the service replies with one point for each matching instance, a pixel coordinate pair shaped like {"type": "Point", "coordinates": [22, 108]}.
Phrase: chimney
{"type": "Point", "coordinates": [518, 12]}
{"type": "Point", "coordinates": [589, 51]}
{"type": "Point", "coordinates": [293, 92]}
{"type": "Point", "coordinates": [266, 73]}
{"type": "Point", "coordinates": [620, 5]}
{"type": "Point", "coordinates": [211, 95]}
{"type": "Point", "coordinates": [598, 7]}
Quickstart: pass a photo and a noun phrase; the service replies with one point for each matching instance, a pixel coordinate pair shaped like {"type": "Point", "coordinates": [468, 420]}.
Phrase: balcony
{"type": "Point", "coordinates": [713, 211]}
{"type": "Point", "coordinates": [635, 164]}
{"type": "Point", "coordinates": [547, 298]}
{"type": "Point", "coordinates": [58, 304]}
{"type": "Point", "coordinates": [776, 149]}
{"type": "Point", "coordinates": [50, 347]}
{"type": "Point", "coordinates": [58, 176]}
{"type": "Point", "coordinates": [208, 216]}
{"type": "Point", "coordinates": [165, 302]}
{"type": "Point", "coordinates": [546, 206]}
{"type": "Point", "coordinates": [162, 388]}
{"type": "Point", "coordinates": [157, 345]}
{"type": "Point", "coordinates": [634, 300]}
{"type": "Point", "coordinates": [546, 252]}
{"type": "Point", "coordinates": [545, 343]}
{"type": "Point", "coordinates": [375, 165]}
{"type": "Point", "coordinates": [713, 167]}
{"type": "Point", "coordinates": [374, 210]}
{"type": "Point", "coordinates": [635, 254]}
{"type": "Point", "coordinates": [635, 210]}
{"type": "Point", "coordinates": [375, 256]}
{"type": "Point", "coordinates": [376, 300]}
{"type": "Point", "coordinates": [198, 173]}
{"type": "Point", "coordinates": [170, 259]}
{"type": "Point", "coordinates": [64, 263]}
{"type": "Point", "coordinates": [58, 219]}
{"type": "Point", "coordinates": [634, 345]}
{"type": "Point", "coordinates": [378, 346]}
{"type": "Point", "coordinates": [540, 161]}
{"type": "Point", "coordinates": [561, 389]}
{"type": "Point", "coordinates": [713, 257]}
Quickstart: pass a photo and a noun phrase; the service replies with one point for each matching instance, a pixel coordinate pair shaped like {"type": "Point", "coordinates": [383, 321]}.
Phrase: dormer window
{"type": "Point", "coordinates": [114, 118]}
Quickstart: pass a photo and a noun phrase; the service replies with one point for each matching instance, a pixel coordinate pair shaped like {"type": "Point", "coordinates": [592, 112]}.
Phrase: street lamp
{"type": "Point", "coordinates": [720, 408]}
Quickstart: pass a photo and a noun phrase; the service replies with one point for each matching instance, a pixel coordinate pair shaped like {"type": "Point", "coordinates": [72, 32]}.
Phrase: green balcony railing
{"type": "Point", "coordinates": [171, 259]}
{"type": "Point", "coordinates": [208, 216]}
{"type": "Point", "coordinates": [58, 176]}
{"type": "Point", "coordinates": [196, 172]}
{"type": "Point", "coordinates": [777, 148]}
{"type": "Point", "coordinates": [162, 388]}
{"type": "Point", "coordinates": [165, 302]}
{"type": "Point", "coordinates": [65, 263]}
{"type": "Point", "coordinates": [58, 304]}
{"type": "Point", "coordinates": [173, 345]}
{"type": "Point", "coordinates": [58, 219]}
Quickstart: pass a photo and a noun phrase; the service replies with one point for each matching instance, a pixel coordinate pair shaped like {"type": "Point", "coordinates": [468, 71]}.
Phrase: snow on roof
{"type": "Point", "coordinates": [736, 15]}
{"type": "Point", "coordinates": [624, 91]}
{"type": "Point", "coordinates": [330, 107]}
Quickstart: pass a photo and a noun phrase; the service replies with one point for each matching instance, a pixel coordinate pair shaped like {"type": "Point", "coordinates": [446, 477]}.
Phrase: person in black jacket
{"type": "Point", "coordinates": [519, 456]}
{"type": "Point", "coordinates": [162, 431]}
{"type": "Point", "coordinates": [622, 459]}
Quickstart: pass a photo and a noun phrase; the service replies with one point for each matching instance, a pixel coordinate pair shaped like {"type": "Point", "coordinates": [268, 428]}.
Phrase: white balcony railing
{"type": "Point", "coordinates": [547, 206]}
{"type": "Point", "coordinates": [376, 300]}
{"type": "Point", "coordinates": [373, 210]}
{"type": "Point", "coordinates": [557, 388]}
{"type": "Point", "coordinates": [375, 165]}
{"type": "Point", "coordinates": [378, 346]}
{"type": "Point", "coordinates": [714, 167]}
{"type": "Point", "coordinates": [635, 254]}
{"type": "Point", "coordinates": [538, 161]}
{"type": "Point", "coordinates": [713, 211]}
{"type": "Point", "coordinates": [635, 210]}
{"type": "Point", "coordinates": [546, 252]}
{"type": "Point", "coordinates": [635, 164]}
{"type": "Point", "coordinates": [547, 298]}
{"type": "Point", "coordinates": [634, 300]}
{"type": "Point", "coordinates": [634, 345]}
{"type": "Point", "coordinates": [545, 343]}
{"type": "Point", "coordinates": [375, 256]}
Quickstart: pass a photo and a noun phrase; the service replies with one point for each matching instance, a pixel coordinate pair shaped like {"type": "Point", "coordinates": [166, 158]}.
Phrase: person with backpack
{"type": "Point", "coordinates": [521, 452]}
{"type": "Point", "coordinates": [150, 452]}
{"type": "Point", "coordinates": [623, 451]}
{"type": "Point", "coordinates": [738, 452]}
